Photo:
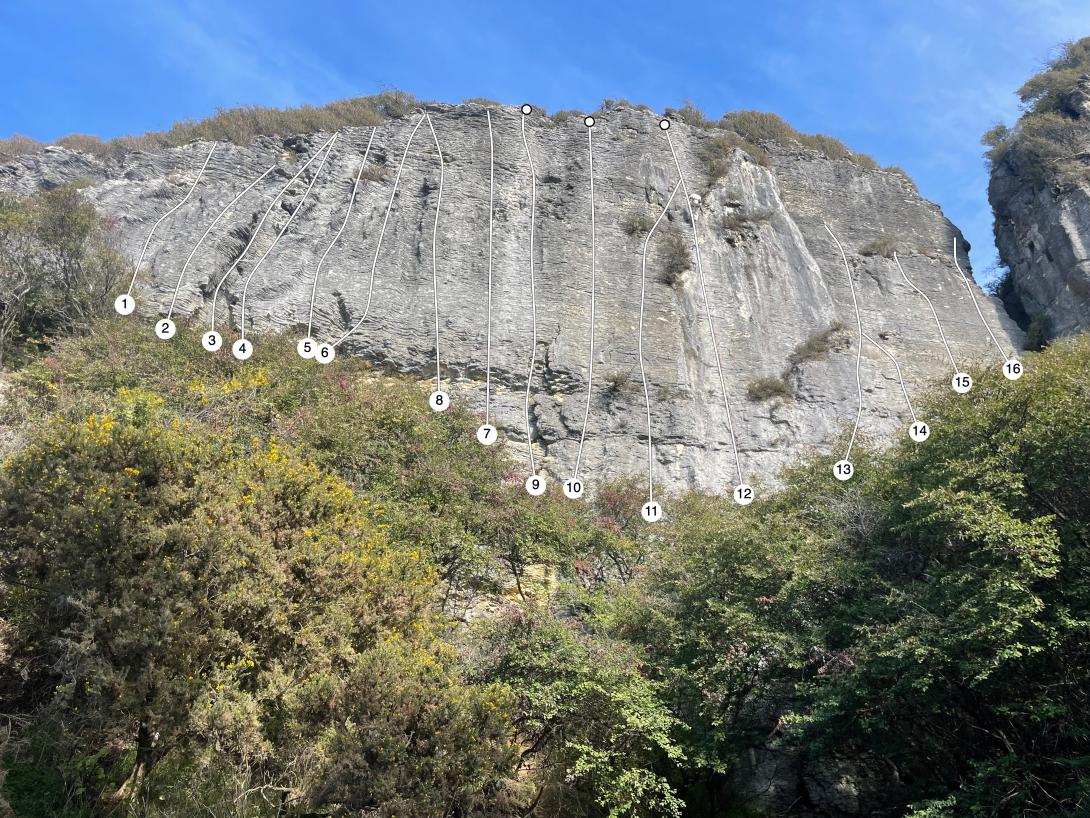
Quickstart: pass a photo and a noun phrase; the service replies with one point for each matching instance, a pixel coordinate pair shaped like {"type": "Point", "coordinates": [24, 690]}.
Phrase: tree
{"type": "Point", "coordinates": [594, 730]}
{"type": "Point", "coordinates": [58, 266]}
{"type": "Point", "coordinates": [178, 600]}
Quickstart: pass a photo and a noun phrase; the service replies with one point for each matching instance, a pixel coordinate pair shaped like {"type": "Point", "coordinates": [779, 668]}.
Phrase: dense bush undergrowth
{"type": "Point", "coordinates": [281, 589]}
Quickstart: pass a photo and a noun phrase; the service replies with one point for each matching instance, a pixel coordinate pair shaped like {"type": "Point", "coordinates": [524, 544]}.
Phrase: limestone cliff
{"type": "Point", "coordinates": [774, 277]}
{"type": "Point", "coordinates": [1040, 192]}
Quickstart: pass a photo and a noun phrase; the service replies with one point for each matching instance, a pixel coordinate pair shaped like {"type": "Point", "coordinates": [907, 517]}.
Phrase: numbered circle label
{"type": "Point", "coordinates": [573, 488]}
{"type": "Point", "coordinates": [919, 431]}
{"type": "Point", "coordinates": [165, 329]}
{"type": "Point", "coordinates": [306, 347]}
{"type": "Point", "coordinates": [962, 383]}
{"type": "Point", "coordinates": [212, 341]}
{"type": "Point", "coordinates": [486, 434]}
{"type": "Point", "coordinates": [124, 304]}
{"type": "Point", "coordinates": [651, 512]}
{"type": "Point", "coordinates": [1013, 369]}
{"type": "Point", "coordinates": [439, 401]}
{"type": "Point", "coordinates": [744, 494]}
{"type": "Point", "coordinates": [843, 470]}
{"type": "Point", "coordinates": [535, 485]}
{"type": "Point", "coordinates": [242, 349]}
{"type": "Point", "coordinates": [325, 354]}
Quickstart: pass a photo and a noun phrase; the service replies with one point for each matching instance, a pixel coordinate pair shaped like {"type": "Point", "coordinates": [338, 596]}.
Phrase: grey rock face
{"type": "Point", "coordinates": [1043, 230]}
{"type": "Point", "coordinates": [773, 275]}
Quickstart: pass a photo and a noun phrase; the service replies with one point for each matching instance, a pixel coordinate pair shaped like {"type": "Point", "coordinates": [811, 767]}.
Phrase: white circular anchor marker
{"type": "Point", "coordinates": [306, 347]}
{"type": "Point", "coordinates": [486, 434]}
{"type": "Point", "coordinates": [165, 329]}
{"type": "Point", "coordinates": [573, 488]}
{"type": "Point", "coordinates": [439, 401]}
{"type": "Point", "coordinates": [242, 349]}
{"type": "Point", "coordinates": [1013, 369]}
{"type": "Point", "coordinates": [962, 383]}
{"type": "Point", "coordinates": [744, 494]}
{"type": "Point", "coordinates": [843, 470]}
{"type": "Point", "coordinates": [919, 431]}
{"type": "Point", "coordinates": [212, 341]}
{"type": "Point", "coordinates": [124, 304]}
{"type": "Point", "coordinates": [651, 511]}
{"type": "Point", "coordinates": [535, 485]}
{"type": "Point", "coordinates": [325, 354]}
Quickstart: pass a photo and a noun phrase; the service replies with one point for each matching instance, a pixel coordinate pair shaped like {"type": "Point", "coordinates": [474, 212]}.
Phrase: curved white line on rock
{"type": "Point", "coordinates": [434, 262]}
{"type": "Point", "coordinates": [280, 235]}
{"type": "Point", "coordinates": [139, 261]}
{"type": "Point", "coordinates": [639, 343]}
{"type": "Point", "coordinates": [972, 297]}
{"type": "Point", "coordinates": [347, 213]}
{"type": "Point", "coordinates": [938, 323]}
{"type": "Point", "coordinates": [593, 258]}
{"type": "Point", "coordinates": [381, 235]}
{"type": "Point", "coordinates": [200, 241]}
{"type": "Point", "coordinates": [253, 236]}
{"type": "Point", "coordinates": [859, 345]}
{"type": "Point", "coordinates": [708, 309]}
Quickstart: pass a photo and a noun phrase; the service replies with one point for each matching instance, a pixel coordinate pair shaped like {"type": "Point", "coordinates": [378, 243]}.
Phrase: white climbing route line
{"type": "Point", "coordinates": [382, 234]}
{"type": "Point", "coordinates": [442, 402]}
{"type": "Point", "coordinates": [257, 230]}
{"type": "Point", "coordinates": [938, 323]}
{"type": "Point", "coordinates": [972, 297]}
{"type": "Point", "coordinates": [639, 345]}
{"type": "Point", "coordinates": [144, 250]}
{"type": "Point", "coordinates": [858, 348]}
{"type": "Point", "coordinates": [211, 227]}
{"type": "Point", "coordinates": [280, 235]}
{"type": "Point", "coordinates": [589, 121]}
{"type": "Point", "coordinates": [488, 325]}
{"type": "Point", "coordinates": [347, 213]}
{"type": "Point", "coordinates": [533, 295]}
{"type": "Point", "coordinates": [708, 310]}
{"type": "Point", "coordinates": [900, 377]}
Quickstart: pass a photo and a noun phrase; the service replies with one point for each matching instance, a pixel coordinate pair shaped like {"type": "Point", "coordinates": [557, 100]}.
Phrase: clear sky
{"type": "Point", "coordinates": [912, 82]}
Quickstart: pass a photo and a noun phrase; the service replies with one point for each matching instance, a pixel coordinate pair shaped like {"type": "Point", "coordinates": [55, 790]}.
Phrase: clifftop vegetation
{"type": "Point", "coordinates": [744, 129]}
{"type": "Point", "coordinates": [1046, 136]}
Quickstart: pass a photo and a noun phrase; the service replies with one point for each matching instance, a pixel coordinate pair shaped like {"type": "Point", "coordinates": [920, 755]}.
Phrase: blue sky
{"type": "Point", "coordinates": [912, 82]}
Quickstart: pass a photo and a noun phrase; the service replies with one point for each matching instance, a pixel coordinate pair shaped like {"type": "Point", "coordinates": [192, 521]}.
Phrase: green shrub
{"type": "Point", "coordinates": [817, 346]}
{"type": "Point", "coordinates": [85, 143]}
{"type": "Point", "coordinates": [374, 172]}
{"type": "Point", "coordinates": [1038, 333]}
{"type": "Point", "coordinates": [58, 269]}
{"type": "Point", "coordinates": [760, 126]}
{"type": "Point", "coordinates": [1043, 143]}
{"type": "Point", "coordinates": [884, 246]}
{"type": "Point", "coordinates": [560, 117]}
{"type": "Point", "coordinates": [690, 115]}
{"type": "Point", "coordinates": [616, 382]}
{"type": "Point", "coordinates": [18, 145]}
{"type": "Point", "coordinates": [675, 254]}
{"type": "Point", "coordinates": [1046, 91]}
{"type": "Point", "coordinates": [184, 592]}
{"type": "Point", "coordinates": [737, 218]}
{"type": "Point", "coordinates": [897, 169]}
{"type": "Point", "coordinates": [719, 152]}
{"type": "Point", "coordinates": [766, 388]}
{"type": "Point", "coordinates": [637, 223]}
